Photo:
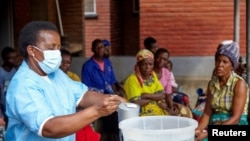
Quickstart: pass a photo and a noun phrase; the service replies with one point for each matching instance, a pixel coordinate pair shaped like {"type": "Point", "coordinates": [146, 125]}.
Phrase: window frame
{"type": "Point", "coordinates": [136, 6]}
{"type": "Point", "coordinates": [93, 14]}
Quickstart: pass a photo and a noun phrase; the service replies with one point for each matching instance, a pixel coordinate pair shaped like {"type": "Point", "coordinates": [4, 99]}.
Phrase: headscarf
{"type": "Point", "coordinates": [144, 54]}
{"type": "Point", "coordinates": [229, 49]}
{"type": "Point", "coordinates": [141, 55]}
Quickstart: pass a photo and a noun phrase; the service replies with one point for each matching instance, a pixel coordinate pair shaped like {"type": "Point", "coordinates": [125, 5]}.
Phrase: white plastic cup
{"type": "Point", "coordinates": [128, 110]}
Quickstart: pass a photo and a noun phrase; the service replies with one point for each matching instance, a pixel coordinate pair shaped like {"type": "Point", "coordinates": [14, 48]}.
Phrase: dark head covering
{"type": "Point", "coordinates": [229, 49]}
{"type": "Point", "coordinates": [106, 43]}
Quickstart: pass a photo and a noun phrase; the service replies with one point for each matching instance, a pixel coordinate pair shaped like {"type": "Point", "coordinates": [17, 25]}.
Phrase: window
{"type": "Point", "coordinates": [136, 6]}
{"type": "Point", "coordinates": [90, 8]}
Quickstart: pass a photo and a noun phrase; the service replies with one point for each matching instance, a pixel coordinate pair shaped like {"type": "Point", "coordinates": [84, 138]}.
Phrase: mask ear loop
{"type": "Point", "coordinates": [33, 55]}
{"type": "Point", "coordinates": [37, 48]}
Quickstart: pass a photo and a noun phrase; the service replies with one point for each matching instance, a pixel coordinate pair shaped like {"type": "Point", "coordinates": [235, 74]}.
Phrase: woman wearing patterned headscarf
{"type": "Point", "coordinates": [143, 87]}
{"type": "Point", "coordinates": [227, 92]}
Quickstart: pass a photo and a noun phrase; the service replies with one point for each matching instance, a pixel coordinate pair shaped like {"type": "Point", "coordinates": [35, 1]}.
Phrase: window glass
{"type": "Point", "coordinates": [90, 7]}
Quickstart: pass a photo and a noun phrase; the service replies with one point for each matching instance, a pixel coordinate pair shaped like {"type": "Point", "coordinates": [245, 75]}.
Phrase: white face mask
{"type": "Point", "coordinates": [52, 60]}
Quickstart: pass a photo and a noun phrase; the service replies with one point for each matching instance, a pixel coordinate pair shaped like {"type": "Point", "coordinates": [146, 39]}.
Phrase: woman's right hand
{"type": "Point", "coordinates": [103, 104]}
{"type": "Point", "coordinates": [108, 104]}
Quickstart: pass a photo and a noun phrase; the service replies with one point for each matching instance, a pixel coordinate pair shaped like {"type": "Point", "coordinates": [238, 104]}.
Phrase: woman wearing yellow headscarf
{"type": "Point", "coordinates": [143, 87]}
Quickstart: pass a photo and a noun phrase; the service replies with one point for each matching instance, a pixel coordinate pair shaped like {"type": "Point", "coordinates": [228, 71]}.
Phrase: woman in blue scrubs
{"type": "Point", "coordinates": [41, 99]}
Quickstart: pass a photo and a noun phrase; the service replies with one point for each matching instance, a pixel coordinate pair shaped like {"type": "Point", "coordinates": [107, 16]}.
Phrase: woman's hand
{"type": "Point", "coordinates": [104, 104]}
{"type": "Point", "coordinates": [109, 104]}
{"type": "Point", "coordinates": [176, 109]}
{"type": "Point", "coordinates": [200, 135]}
{"type": "Point", "coordinates": [121, 99]}
{"type": "Point", "coordinates": [171, 110]}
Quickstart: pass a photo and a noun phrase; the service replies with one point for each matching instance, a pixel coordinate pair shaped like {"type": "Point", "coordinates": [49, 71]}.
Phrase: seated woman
{"type": "Point", "coordinates": [227, 92]}
{"type": "Point", "coordinates": [66, 63]}
{"type": "Point", "coordinates": [161, 57]}
{"type": "Point", "coordinates": [143, 87]}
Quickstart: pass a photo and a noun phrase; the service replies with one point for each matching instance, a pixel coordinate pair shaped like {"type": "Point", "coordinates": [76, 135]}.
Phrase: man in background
{"type": "Point", "coordinates": [150, 43]}
{"type": "Point", "coordinates": [7, 70]}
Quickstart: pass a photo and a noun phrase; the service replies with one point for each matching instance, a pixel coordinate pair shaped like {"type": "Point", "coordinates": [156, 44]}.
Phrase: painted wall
{"type": "Point", "coordinates": [184, 67]}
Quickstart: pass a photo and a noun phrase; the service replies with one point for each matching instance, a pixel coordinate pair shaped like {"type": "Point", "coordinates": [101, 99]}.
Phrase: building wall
{"type": "Point", "coordinates": [115, 22]}
{"type": "Point", "coordinates": [71, 13]}
{"type": "Point", "coordinates": [21, 15]}
{"type": "Point", "coordinates": [186, 28]}
{"type": "Point", "coordinates": [72, 19]}
{"type": "Point", "coordinates": [6, 26]}
{"type": "Point", "coordinates": [116, 27]}
{"type": "Point", "coordinates": [131, 29]}
{"type": "Point", "coordinates": [98, 27]}
{"type": "Point", "coordinates": [189, 27]}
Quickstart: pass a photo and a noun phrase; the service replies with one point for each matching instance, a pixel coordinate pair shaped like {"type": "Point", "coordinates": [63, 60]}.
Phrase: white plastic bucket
{"type": "Point", "coordinates": [158, 128]}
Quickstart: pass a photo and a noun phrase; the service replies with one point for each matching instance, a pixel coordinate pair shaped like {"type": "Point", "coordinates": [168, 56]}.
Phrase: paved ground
{"type": "Point", "coordinates": [190, 86]}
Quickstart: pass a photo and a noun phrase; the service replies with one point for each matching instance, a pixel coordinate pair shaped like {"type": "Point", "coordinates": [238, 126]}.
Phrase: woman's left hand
{"type": "Point", "coordinates": [201, 136]}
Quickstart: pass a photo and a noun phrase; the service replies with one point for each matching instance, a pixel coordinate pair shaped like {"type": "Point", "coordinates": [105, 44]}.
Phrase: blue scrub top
{"type": "Point", "coordinates": [31, 100]}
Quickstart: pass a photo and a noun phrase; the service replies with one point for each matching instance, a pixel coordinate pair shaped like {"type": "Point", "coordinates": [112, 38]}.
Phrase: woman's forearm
{"type": "Point", "coordinates": [142, 102]}
{"type": "Point", "coordinates": [154, 97]}
{"type": "Point", "coordinates": [62, 126]}
{"type": "Point", "coordinates": [169, 100]}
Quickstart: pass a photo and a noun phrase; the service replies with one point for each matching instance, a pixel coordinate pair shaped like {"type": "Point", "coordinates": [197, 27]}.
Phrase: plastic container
{"type": "Point", "coordinates": [128, 110]}
{"type": "Point", "coordinates": [158, 128]}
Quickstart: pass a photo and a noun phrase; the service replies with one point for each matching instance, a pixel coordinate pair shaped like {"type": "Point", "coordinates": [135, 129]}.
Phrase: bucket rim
{"type": "Point", "coordinates": [123, 123]}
